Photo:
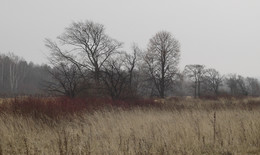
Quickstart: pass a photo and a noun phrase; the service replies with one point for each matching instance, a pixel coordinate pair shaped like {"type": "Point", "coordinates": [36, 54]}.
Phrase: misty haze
{"type": "Point", "coordinates": [129, 77]}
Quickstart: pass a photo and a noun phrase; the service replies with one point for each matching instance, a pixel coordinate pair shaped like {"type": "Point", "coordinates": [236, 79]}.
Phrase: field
{"type": "Point", "coordinates": [174, 126]}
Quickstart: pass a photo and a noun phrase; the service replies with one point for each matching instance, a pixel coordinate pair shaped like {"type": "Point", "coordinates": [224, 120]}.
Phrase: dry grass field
{"type": "Point", "coordinates": [175, 126]}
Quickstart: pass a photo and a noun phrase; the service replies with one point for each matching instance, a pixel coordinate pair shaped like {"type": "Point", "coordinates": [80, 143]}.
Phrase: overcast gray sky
{"type": "Point", "coordinates": [223, 34]}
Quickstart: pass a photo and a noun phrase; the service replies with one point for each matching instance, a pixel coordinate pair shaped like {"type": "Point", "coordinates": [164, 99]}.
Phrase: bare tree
{"type": "Point", "coordinates": [118, 74]}
{"type": "Point", "coordinates": [66, 80]}
{"type": "Point", "coordinates": [161, 61]}
{"type": "Point", "coordinates": [17, 71]}
{"type": "Point", "coordinates": [253, 86]}
{"type": "Point", "coordinates": [5, 63]}
{"type": "Point", "coordinates": [195, 73]}
{"type": "Point", "coordinates": [114, 77]}
{"type": "Point", "coordinates": [242, 85]}
{"type": "Point", "coordinates": [130, 61]}
{"type": "Point", "coordinates": [237, 85]}
{"type": "Point", "coordinates": [231, 81]}
{"type": "Point", "coordinates": [87, 46]}
{"type": "Point", "coordinates": [213, 80]}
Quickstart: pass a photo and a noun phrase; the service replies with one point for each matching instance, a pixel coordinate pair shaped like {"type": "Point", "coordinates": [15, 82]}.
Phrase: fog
{"type": "Point", "coordinates": [222, 34]}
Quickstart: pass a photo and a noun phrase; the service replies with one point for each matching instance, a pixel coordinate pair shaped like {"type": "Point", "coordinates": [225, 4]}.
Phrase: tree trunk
{"type": "Point", "coordinates": [199, 88]}
{"type": "Point", "coordinates": [195, 89]}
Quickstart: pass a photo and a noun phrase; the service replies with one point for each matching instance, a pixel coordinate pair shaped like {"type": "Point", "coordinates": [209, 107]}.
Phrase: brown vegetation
{"type": "Point", "coordinates": [179, 126]}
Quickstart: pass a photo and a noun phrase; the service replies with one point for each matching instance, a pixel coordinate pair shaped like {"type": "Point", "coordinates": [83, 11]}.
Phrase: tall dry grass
{"type": "Point", "coordinates": [183, 126]}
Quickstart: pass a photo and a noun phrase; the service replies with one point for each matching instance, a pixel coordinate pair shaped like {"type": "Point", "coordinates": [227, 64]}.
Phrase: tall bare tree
{"type": "Point", "coordinates": [213, 80]}
{"type": "Point", "coordinates": [237, 84]}
{"type": "Point", "coordinates": [195, 73]}
{"type": "Point", "coordinates": [253, 86]}
{"type": "Point", "coordinates": [86, 45]}
{"type": "Point", "coordinates": [161, 61]}
{"type": "Point", "coordinates": [231, 81]}
{"type": "Point", "coordinates": [118, 74]}
{"type": "Point", "coordinates": [130, 61]}
{"type": "Point", "coordinates": [242, 85]}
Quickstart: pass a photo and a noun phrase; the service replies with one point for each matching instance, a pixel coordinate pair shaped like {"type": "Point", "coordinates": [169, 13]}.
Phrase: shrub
{"type": "Point", "coordinates": [62, 106]}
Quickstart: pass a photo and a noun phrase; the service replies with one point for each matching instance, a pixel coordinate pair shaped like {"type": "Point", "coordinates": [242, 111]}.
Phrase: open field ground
{"type": "Point", "coordinates": [175, 126]}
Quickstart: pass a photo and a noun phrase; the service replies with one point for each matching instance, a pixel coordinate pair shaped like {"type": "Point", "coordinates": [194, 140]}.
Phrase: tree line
{"type": "Point", "coordinates": [85, 61]}
{"type": "Point", "coordinates": [208, 81]}
{"type": "Point", "coordinates": [18, 77]}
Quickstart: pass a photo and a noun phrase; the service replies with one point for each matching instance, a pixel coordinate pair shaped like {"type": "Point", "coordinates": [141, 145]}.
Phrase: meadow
{"type": "Point", "coordinates": [62, 126]}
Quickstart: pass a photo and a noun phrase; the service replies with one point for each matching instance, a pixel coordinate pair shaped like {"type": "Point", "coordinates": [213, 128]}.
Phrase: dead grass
{"type": "Point", "coordinates": [185, 126]}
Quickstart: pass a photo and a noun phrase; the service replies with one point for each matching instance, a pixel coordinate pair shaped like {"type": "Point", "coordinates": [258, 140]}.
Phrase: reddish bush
{"type": "Point", "coordinates": [209, 97]}
{"type": "Point", "coordinates": [251, 104]}
{"type": "Point", "coordinates": [55, 107]}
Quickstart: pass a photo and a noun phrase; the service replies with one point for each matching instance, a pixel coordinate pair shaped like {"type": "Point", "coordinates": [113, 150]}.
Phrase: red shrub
{"type": "Point", "coordinates": [56, 107]}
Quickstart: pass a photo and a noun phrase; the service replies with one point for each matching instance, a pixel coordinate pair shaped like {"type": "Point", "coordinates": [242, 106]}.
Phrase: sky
{"type": "Point", "coordinates": [220, 34]}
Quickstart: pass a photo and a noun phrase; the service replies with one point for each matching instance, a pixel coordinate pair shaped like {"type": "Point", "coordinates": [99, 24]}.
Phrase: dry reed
{"type": "Point", "coordinates": [187, 126]}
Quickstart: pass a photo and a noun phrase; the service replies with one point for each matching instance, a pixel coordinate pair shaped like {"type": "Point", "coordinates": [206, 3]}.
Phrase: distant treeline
{"type": "Point", "coordinates": [85, 61]}
{"type": "Point", "coordinates": [18, 77]}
